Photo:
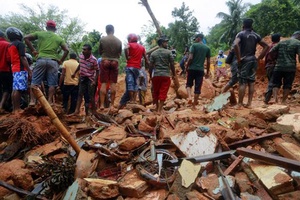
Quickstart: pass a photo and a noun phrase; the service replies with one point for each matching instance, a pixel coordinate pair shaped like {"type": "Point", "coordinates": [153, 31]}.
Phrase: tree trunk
{"type": "Point", "coordinates": [156, 24]}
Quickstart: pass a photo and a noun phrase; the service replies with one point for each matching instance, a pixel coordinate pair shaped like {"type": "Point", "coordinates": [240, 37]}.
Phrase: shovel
{"type": "Point", "coordinates": [85, 163]}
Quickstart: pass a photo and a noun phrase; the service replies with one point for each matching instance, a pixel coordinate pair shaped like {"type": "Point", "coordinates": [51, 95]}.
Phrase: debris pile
{"type": "Point", "coordinates": [214, 152]}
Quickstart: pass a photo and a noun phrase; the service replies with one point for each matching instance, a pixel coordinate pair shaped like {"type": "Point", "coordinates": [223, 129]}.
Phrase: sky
{"type": "Point", "coordinates": [127, 16]}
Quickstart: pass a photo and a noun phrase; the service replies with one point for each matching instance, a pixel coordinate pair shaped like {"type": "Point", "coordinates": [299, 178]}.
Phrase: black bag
{"type": "Point", "coordinates": [230, 57]}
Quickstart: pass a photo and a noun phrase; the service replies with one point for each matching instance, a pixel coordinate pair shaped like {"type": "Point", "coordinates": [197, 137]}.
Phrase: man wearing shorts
{"type": "Point", "coordinates": [134, 52]}
{"type": "Point", "coordinates": [161, 64]}
{"type": "Point", "coordinates": [285, 67]}
{"type": "Point", "coordinates": [19, 66]}
{"type": "Point", "coordinates": [48, 60]}
{"type": "Point", "coordinates": [199, 52]}
{"type": "Point", "coordinates": [245, 47]}
{"type": "Point", "coordinates": [5, 72]}
{"type": "Point", "coordinates": [110, 49]}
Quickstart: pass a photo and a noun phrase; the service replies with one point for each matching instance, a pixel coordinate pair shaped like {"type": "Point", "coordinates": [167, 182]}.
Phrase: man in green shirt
{"type": "Point", "coordinates": [199, 52]}
{"type": "Point", "coordinates": [48, 60]}
{"type": "Point", "coordinates": [285, 68]}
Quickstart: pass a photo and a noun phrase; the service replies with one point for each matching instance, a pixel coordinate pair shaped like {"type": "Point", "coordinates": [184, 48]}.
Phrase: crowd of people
{"type": "Point", "coordinates": [94, 80]}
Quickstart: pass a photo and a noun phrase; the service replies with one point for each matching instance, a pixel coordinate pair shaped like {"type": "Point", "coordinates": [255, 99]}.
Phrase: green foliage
{"type": "Point", "coordinates": [70, 29]}
{"type": "Point", "coordinates": [272, 16]}
{"type": "Point", "coordinates": [231, 23]}
{"type": "Point", "coordinates": [183, 29]}
{"type": "Point", "coordinates": [213, 39]}
{"type": "Point", "coordinates": [93, 39]}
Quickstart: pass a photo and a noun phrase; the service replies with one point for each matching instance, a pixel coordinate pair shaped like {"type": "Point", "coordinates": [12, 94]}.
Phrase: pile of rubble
{"type": "Point", "coordinates": [213, 152]}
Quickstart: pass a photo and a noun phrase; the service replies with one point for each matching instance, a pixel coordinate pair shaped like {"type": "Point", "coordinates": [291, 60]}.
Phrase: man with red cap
{"type": "Point", "coordinates": [48, 60]}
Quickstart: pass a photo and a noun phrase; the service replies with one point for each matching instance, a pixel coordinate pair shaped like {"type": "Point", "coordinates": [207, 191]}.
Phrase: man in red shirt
{"type": "Point", "coordinates": [134, 52]}
{"type": "Point", "coordinates": [5, 71]}
{"type": "Point", "coordinates": [19, 65]}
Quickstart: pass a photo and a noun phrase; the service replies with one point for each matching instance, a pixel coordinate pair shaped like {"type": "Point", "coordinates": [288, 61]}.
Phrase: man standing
{"type": "Point", "coordinates": [245, 47]}
{"type": "Point", "coordinates": [199, 52]}
{"type": "Point", "coordinates": [48, 60]}
{"type": "Point", "coordinates": [89, 72]}
{"type": "Point", "coordinates": [70, 85]}
{"type": "Point", "coordinates": [6, 79]}
{"type": "Point", "coordinates": [110, 49]}
{"type": "Point", "coordinates": [134, 52]}
{"type": "Point", "coordinates": [161, 62]}
{"type": "Point", "coordinates": [270, 61]}
{"type": "Point", "coordinates": [285, 68]}
{"type": "Point", "coordinates": [19, 65]}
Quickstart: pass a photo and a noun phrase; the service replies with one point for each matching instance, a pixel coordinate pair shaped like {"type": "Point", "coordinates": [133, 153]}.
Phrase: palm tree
{"type": "Point", "coordinates": [231, 23]}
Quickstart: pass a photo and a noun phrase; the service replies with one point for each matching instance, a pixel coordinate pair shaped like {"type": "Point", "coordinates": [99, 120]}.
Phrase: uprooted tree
{"type": "Point", "coordinates": [149, 10]}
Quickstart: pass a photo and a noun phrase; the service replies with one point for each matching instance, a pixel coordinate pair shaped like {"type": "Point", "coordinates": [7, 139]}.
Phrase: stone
{"type": "Point", "coordinates": [247, 196]}
{"type": "Point", "coordinates": [182, 93]}
{"type": "Point", "coordinates": [144, 127]}
{"type": "Point", "coordinates": [102, 189]}
{"type": "Point", "coordinates": [233, 136]}
{"type": "Point", "coordinates": [290, 120]}
{"type": "Point", "coordinates": [239, 123]}
{"type": "Point", "coordinates": [270, 113]}
{"type": "Point", "coordinates": [160, 194]}
{"type": "Point", "coordinates": [208, 91]}
{"type": "Point", "coordinates": [131, 143]}
{"type": "Point", "coordinates": [195, 195]}
{"type": "Point", "coordinates": [110, 133]}
{"type": "Point", "coordinates": [131, 185]}
{"type": "Point", "coordinates": [15, 173]}
{"type": "Point", "coordinates": [243, 182]}
{"type": "Point", "coordinates": [123, 115]}
{"type": "Point", "coordinates": [210, 183]}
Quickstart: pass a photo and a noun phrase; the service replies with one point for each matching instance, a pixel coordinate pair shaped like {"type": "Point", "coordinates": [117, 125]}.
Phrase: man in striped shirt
{"type": "Point", "coordinates": [89, 72]}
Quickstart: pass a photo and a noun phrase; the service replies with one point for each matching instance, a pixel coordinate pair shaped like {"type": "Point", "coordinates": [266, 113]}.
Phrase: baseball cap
{"type": "Point", "coordinates": [51, 23]}
{"type": "Point", "coordinates": [199, 35]}
{"type": "Point", "coordinates": [162, 39]}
